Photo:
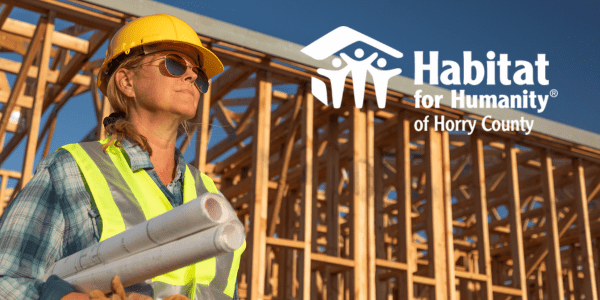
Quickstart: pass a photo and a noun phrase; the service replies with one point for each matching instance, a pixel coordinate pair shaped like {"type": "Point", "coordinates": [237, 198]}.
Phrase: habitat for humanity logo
{"type": "Point", "coordinates": [337, 40]}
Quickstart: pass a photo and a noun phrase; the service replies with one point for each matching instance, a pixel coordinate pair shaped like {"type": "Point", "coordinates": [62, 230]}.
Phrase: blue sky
{"type": "Point", "coordinates": [567, 32]}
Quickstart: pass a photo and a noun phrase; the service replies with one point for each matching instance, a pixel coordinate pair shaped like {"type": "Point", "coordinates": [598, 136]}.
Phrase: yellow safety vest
{"type": "Point", "coordinates": [125, 198]}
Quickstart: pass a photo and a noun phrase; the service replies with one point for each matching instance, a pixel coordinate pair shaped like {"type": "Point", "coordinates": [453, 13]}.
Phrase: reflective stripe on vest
{"type": "Point", "coordinates": [227, 264]}
{"type": "Point", "coordinates": [122, 200]}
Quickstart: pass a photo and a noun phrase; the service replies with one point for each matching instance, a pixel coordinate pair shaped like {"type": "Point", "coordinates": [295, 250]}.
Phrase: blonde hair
{"type": "Point", "coordinates": [121, 103]}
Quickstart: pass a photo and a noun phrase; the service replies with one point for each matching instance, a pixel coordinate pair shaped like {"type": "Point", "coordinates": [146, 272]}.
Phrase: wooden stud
{"type": "Point", "coordinates": [70, 12]}
{"type": "Point", "coordinates": [51, 121]}
{"type": "Point", "coordinates": [553, 261]}
{"type": "Point", "coordinates": [202, 136]}
{"type": "Point", "coordinates": [96, 101]}
{"type": "Point", "coordinates": [519, 278]}
{"type": "Point", "coordinates": [307, 194]}
{"type": "Point", "coordinates": [3, 194]}
{"type": "Point", "coordinates": [105, 112]}
{"type": "Point", "coordinates": [333, 200]}
{"type": "Point", "coordinates": [596, 256]}
{"type": "Point", "coordinates": [448, 230]}
{"type": "Point", "coordinates": [260, 163]}
{"type": "Point", "coordinates": [436, 236]}
{"type": "Point", "coordinates": [18, 86]}
{"type": "Point", "coordinates": [6, 10]}
{"type": "Point", "coordinates": [479, 193]}
{"type": "Point", "coordinates": [406, 252]}
{"type": "Point", "coordinates": [291, 138]}
{"type": "Point", "coordinates": [370, 205]}
{"type": "Point", "coordinates": [47, 24]}
{"type": "Point", "coordinates": [72, 68]}
{"type": "Point", "coordinates": [573, 275]}
{"type": "Point", "coordinates": [358, 204]}
{"type": "Point", "coordinates": [380, 221]}
{"type": "Point", "coordinates": [585, 241]}
{"type": "Point", "coordinates": [49, 138]}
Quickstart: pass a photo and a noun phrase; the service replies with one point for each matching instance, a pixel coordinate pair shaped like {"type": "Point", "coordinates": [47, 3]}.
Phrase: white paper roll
{"type": "Point", "coordinates": [207, 211]}
{"type": "Point", "coordinates": [162, 259]}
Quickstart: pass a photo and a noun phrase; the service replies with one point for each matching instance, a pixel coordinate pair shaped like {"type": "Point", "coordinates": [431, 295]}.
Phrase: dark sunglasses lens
{"type": "Point", "coordinates": [201, 80]}
{"type": "Point", "coordinates": [176, 65]}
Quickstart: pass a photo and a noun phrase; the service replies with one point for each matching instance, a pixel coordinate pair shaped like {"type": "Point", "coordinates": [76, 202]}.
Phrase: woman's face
{"type": "Point", "coordinates": [157, 91]}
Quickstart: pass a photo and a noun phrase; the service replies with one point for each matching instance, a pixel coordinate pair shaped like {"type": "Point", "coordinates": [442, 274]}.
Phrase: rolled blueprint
{"type": "Point", "coordinates": [206, 211]}
{"type": "Point", "coordinates": [162, 259]}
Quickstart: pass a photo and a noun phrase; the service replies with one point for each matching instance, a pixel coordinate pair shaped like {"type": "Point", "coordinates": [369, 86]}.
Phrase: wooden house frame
{"type": "Point", "coordinates": [338, 203]}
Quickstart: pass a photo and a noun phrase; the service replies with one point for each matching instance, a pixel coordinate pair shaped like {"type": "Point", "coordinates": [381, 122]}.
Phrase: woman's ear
{"type": "Point", "coordinates": [124, 82]}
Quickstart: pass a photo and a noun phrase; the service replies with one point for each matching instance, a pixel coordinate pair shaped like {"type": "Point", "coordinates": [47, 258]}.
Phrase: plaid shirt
{"type": "Point", "coordinates": [54, 216]}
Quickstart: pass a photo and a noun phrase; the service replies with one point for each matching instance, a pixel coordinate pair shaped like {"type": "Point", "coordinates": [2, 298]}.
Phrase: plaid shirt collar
{"type": "Point", "coordinates": [139, 159]}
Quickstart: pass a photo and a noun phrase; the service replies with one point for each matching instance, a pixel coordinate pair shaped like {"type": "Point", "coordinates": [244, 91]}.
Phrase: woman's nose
{"type": "Point", "coordinates": [190, 74]}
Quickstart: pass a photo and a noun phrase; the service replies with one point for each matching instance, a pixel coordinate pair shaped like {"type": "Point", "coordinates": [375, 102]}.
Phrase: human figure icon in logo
{"type": "Point", "coordinates": [359, 73]}
{"type": "Point", "coordinates": [337, 78]}
{"type": "Point", "coordinates": [380, 79]}
{"type": "Point", "coordinates": [337, 40]}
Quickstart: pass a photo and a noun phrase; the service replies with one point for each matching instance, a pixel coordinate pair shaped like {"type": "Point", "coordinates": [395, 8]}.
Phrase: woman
{"type": "Point", "coordinates": [153, 74]}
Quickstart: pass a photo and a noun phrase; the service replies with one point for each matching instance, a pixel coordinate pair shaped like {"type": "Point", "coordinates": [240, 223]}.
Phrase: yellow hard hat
{"type": "Point", "coordinates": [161, 28]}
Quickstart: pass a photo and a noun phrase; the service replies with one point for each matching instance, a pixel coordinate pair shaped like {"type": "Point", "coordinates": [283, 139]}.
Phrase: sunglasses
{"type": "Point", "coordinates": [176, 66]}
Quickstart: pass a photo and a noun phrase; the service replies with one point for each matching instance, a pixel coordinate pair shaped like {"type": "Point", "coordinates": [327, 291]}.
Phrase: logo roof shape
{"type": "Point", "coordinates": [341, 38]}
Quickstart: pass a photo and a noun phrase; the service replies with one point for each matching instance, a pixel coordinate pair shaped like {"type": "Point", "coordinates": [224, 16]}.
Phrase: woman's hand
{"type": "Point", "coordinates": [118, 294]}
{"type": "Point", "coordinates": [75, 296]}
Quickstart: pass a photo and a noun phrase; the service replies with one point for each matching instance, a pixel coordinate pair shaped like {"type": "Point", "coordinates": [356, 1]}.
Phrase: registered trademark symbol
{"type": "Point", "coordinates": [553, 93]}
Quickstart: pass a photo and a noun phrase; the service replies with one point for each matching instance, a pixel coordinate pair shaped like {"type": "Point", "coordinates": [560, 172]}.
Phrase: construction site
{"type": "Point", "coordinates": [338, 203]}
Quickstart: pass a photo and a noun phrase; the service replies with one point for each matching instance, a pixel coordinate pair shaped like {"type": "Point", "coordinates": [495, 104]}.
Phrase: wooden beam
{"type": "Point", "coordinates": [370, 205]}
{"type": "Point", "coordinates": [47, 24]}
{"type": "Point", "coordinates": [258, 211]}
{"type": "Point", "coordinates": [481, 212]}
{"type": "Point", "coordinates": [49, 138]}
{"type": "Point", "coordinates": [227, 81]}
{"type": "Point", "coordinates": [14, 67]}
{"type": "Point", "coordinates": [202, 135]}
{"type": "Point", "coordinates": [406, 251]}
{"type": "Point", "coordinates": [358, 132]}
{"type": "Point", "coordinates": [436, 229]}
{"type": "Point", "coordinates": [448, 230]}
{"type": "Point", "coordinates": [59, 39]}
{"type": "Point", "coordinates": [381, 220]}
{"type": "Point", "coordinates": [12, 144]}
{"type": "Point", "coordinates": [51, 121]}
{"type": "Point", "coordinates": [18, 86]}
{"type": "Point", "coordinates": [14, 43]}
{"type": "Point", "coordinates": [585, 240]}
{"type": "Point", "coordinates": [226, 121]}
{"type": "Point", "coordinates": [76, 29]}
{"type": "Point", "coordinates": [287, 155]}
{"type": "Point", "coordinates": [573, 275]}
{"type": "Point", "coordinates": [69, 12]}
{"type": "Point", "coordinates": [276, 214]}
{"type": "Point", "coordinates": [6, 10]}
{"type": "Point", "coordinates": [3, 193]}
{"type": "Point", "coordinates": [5, 86]}
{"type": "Point", "coordinates": [72, 68]}
{"type": "Point", "coordinates": [307, 193]}
{"type": "Point", "coordinates": [96, 100]}
{"type": "Point", "coordinates": [519, 278]}
{"type": "Point", "coordinates": [333, 203]}
{"type": "Point", "coordinates": [553, 261]}
{"type": "Point", "coordinates": [105, 112]}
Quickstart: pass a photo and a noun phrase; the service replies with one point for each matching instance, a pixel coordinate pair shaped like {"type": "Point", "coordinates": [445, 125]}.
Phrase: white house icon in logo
{"type": "Point", "coordinates": [337, 40]}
